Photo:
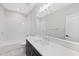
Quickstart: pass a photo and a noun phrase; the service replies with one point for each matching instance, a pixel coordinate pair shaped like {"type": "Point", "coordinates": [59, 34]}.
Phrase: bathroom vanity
{"type": "Point", "coordinates": [30, 50]}
{"type": "Point", "coordinates": [39, 46]}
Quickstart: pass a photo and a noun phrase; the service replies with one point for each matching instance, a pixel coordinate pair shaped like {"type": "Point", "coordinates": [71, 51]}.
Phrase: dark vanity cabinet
{"type": "Point", "coordinates": [30, 50]}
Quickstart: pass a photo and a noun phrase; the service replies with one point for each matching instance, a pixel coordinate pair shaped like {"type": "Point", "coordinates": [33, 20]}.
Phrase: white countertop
{"type": "Point", "coordinates": [48, 48]}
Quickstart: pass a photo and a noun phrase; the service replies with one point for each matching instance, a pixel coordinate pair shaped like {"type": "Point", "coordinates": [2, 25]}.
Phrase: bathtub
{"type": "Point", "coordinates": [12, 48]}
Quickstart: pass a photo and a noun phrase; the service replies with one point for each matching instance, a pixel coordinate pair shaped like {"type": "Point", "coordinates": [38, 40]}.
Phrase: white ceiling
{"type": "Point", "coordinates": [25, 8]}
{"type": "Point", "coordinates": [52, 8]}
{"type": "Point", "coordinates": [20, 7]}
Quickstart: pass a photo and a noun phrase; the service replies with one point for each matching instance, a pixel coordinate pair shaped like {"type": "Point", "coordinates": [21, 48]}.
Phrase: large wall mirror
{"type": "Point", "coordinates": [62, 21]}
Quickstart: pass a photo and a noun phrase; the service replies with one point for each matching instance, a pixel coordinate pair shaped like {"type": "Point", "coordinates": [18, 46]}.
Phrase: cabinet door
{"type": "Point", "coordinates": [28, 49]}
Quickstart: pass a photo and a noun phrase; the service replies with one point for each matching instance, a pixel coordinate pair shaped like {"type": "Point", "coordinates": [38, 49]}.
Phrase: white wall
{"type": "Point", "coordinates": [36, 25]}
{"type": "Point", "coordinates": [1, 22]}
{"type": "Point", "coordinates": [14, 26]}
{"type": "Point", "coordinates": [56, 20]}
